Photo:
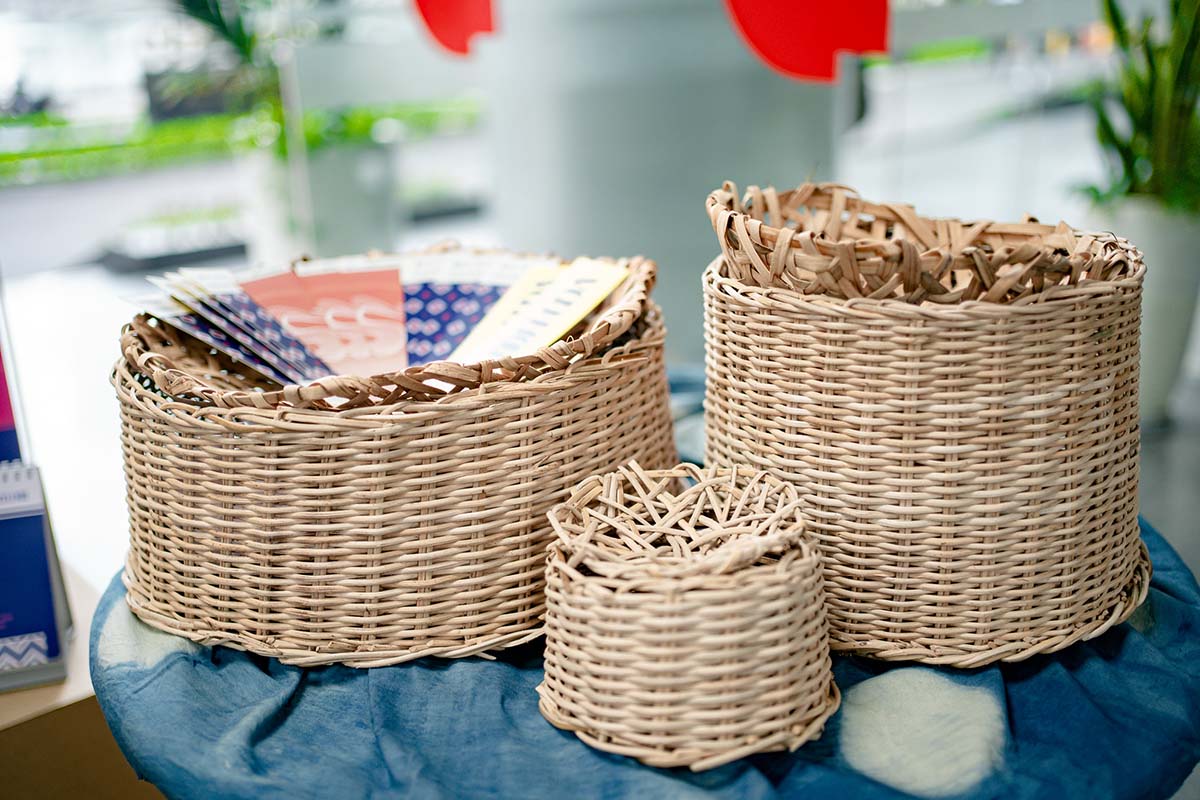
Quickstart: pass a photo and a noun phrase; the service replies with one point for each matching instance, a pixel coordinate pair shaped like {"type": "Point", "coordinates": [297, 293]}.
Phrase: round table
{"type": "Point", "coordinates": [1115, 717]}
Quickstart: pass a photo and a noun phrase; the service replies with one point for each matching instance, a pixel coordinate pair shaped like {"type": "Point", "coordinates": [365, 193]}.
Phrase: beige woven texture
{"type": "Point", "coordinates": [374, 533]}
{"type": "Point", "coordinates": [957, 405]}
{"type": "Point", "coordinates": [685, 625]}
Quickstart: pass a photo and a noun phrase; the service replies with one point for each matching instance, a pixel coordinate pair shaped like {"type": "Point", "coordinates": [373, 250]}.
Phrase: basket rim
{"type": "Point", "coordinates": [641, 579]}
{"type": "Point", "coordinates": [784, 533]}
{"type": "Point", "coordinates": [649, 333]}
{"type": "Point", "coordinates": [627, 304]}
{"type": "Point", "coordinates": [836, 255]}
{"type": "Point", "coordinates": [1050, 301]}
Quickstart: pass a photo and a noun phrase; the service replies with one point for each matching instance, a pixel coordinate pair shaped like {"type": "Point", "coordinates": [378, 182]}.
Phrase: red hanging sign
{"type": "Point", "coordinates": [453, 23]}
{"type": "Point", "coordinates": [801, 38]}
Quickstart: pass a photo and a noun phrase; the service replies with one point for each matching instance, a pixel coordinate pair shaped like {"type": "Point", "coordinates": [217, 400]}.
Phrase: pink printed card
{"type": "Point", "coordinates": [353, 321]}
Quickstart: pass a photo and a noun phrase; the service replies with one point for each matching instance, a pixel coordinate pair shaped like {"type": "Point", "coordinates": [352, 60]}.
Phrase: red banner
{"type": "Point", "coordinates": [454, 22]}
{"type": "Point", "coordinates": [801, 38]}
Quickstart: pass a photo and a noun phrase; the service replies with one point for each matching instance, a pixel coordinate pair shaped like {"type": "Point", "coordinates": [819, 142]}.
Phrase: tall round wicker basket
{"type": "Point", "coordinates": [957, 404]}
{"type": "Point", "coordinates": [370, 521]}
{"type": "Point", "coordinates": [685, 623]}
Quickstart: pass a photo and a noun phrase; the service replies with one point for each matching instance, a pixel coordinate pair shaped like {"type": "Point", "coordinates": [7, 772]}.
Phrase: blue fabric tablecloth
{"type": "Point", "coordinates": [1115, 717]}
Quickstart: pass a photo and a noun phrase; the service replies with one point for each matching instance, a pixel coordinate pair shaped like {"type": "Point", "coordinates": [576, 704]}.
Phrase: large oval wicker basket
{"type": "Point", "coordinates": [957, 403]}
{"type": "Point", "coordinates": [409, 520]}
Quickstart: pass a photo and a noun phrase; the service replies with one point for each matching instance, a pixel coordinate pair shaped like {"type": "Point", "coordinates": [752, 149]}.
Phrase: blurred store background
{"type": "Point", "coordinates": [139, 135]}
{"type": "Point", "coordinates": [144, 134]}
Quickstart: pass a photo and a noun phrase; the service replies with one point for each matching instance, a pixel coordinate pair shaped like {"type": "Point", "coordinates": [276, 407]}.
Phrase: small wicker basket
{"type": "Point", "coordinates": [685, 624]}
{"type": "Point", "coordinates": [957, 404]}
{"type": "Point", "coordinates": [370, 521]}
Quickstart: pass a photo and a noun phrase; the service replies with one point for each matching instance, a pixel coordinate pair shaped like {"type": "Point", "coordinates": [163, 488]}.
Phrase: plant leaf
{"type": "Point", "coordinates": [1115, 18]}
{"type": "Point", "coordinates": [1110, 140]}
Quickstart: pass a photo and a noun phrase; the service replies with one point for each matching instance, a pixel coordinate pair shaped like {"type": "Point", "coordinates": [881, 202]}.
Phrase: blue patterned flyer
{"type": "Point", "coordinates": [440, 315]}
{"type": "Point", "coordinates": [204, 306]}
{"type": "Point", "coordinates": [229, 299]}
{"type": "Point", "coordinates": [171, 312]}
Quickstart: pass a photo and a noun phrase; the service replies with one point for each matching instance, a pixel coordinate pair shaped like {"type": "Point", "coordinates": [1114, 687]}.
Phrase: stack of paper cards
{"type": "Point", "coordinates": [255, 323]}
{"type": "Point", "coordinates": [377, 314]}
{"type": "Point", "coordinates": [180, 316]}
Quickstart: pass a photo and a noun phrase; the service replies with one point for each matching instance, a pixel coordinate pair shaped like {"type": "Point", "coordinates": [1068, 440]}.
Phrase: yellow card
{"type": "Point", "coordinates": [540, 308]}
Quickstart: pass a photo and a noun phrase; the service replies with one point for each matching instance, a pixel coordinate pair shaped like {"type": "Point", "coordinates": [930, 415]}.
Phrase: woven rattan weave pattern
{"type": "Point", "coordinates": [376, 534]}
{"type": "Point", "coordinates": [685, 626]}
{"type": "Point", "coordinates": [969, 468]}
{"type": "Point", "coordinates": [825, 240]}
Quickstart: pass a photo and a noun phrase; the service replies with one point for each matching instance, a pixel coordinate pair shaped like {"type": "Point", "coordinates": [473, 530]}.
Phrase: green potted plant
{"type": "Point", "coordinates": [1148, 125]}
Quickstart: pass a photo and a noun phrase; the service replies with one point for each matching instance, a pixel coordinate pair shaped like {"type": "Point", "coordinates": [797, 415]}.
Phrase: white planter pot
{"type": "Point", "coordinates": [610, 121]}
{"type": "Point", "coordinates": [354, 199]}
{"type": "Point", "coordinates": [271, 237]}
{"type": "Point", "coordinates": [1170, 244]}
